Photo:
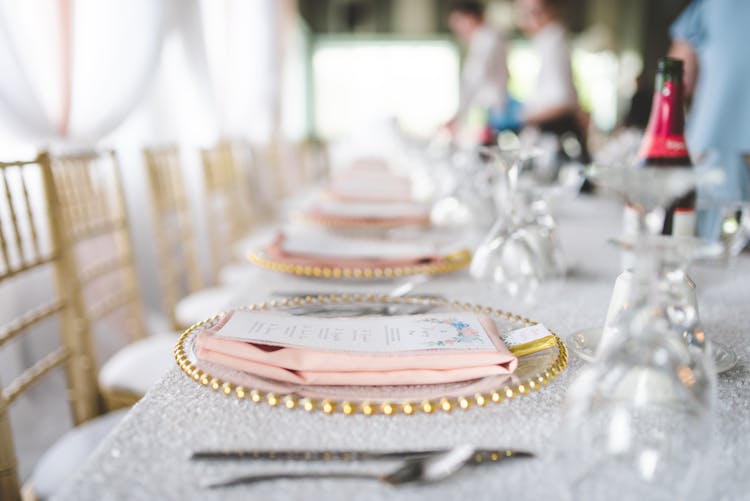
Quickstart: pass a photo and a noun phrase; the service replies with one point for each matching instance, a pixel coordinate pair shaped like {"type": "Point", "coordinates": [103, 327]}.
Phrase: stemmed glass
{"type": "Point", "coordinates": [638, 421]}
{"type": "Point", "coordinates": [731, 224]}
{"type": "Point", "coordinates": [674, 256]}
{"type": "Point", "coordinates": [465, 191]}
{"type": "Point", "coordinates": [521, 249]}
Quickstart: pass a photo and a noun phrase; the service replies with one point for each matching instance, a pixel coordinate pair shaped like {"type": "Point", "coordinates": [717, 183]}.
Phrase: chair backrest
{"type": "Point", "coordinates": [173, 225]}
{"type": "Point", "coordinates": [314, 160]}
{"type": "Point", "coordinates": [298, 165]}
{"type": "Point", "coordinates": [229, 200]}
{"type": "Point", "coordinates": [88, 188]}
{"type": "Point", "coordinates": [266, 182]}
{"type": "Point", "coordinates": [31, 243]}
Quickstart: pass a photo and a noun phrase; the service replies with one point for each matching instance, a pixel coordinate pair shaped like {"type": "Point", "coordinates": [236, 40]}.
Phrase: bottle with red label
{"type": "Point", "coordinates": [664, 145]}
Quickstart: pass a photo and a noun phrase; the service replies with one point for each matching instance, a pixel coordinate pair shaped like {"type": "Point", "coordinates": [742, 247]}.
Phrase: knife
{"type": "Point", "coordinates": [312, 293]}
{"type": "Point", "coordinates": [480, 455]}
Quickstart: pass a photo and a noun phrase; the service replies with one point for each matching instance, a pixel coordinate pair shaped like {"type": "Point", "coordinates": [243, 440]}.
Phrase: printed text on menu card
{"type": "Point", "coordinates": [440, 331]}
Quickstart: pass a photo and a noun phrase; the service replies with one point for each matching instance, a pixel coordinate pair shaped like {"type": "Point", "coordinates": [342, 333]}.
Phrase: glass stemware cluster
{"type": "Point", "coordinates": [639, 419]}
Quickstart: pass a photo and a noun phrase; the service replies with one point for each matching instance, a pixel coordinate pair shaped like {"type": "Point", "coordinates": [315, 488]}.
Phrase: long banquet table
{"type": "Point", "coordinates": [147, 455]}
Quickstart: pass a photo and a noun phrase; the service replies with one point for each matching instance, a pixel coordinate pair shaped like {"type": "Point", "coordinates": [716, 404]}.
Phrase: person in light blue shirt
{"type": "Point", "coordinates": [713, 38]}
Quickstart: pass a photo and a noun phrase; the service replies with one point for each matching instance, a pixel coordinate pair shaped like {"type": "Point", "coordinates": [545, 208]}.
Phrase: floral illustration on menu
{"type": "Point", "coordinates": [463, 332]}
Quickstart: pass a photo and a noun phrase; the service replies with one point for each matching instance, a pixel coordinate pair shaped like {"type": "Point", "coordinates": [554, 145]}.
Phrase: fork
{"type": "Point", "coordinates": [424, 470]}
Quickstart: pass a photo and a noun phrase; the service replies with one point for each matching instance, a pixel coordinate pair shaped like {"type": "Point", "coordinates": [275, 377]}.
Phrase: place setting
{"type": "Point", "coordinates": [438, 357]}
{"type": "Point", "coordinates": [345, 232]}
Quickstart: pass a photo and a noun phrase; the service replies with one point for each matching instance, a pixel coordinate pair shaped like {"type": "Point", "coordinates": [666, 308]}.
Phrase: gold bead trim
{"type": "Point", "coordinates": [292, 401]}
{"type": "Point", "coordinates": [452, 262]}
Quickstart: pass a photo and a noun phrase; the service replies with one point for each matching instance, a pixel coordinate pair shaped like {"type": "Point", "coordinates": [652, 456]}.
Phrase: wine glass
{"type": "Point", "coordinates": [466, 191]}
{"type": "Point", "coordinates": [521, 249]}
{"type": "Point", "coordinates": [638, 421]}
{"type": "Point", "coordinates": [728, 222]}
{"type": "Point", "coordinates": [675, 254]}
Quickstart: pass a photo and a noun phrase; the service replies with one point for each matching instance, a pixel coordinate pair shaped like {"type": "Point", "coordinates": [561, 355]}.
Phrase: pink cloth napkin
{"type": "Point", "coordinates": [275, 251]}
{"type": "Point", "coordinates": [316, 214]}
{"type": "Point", "coordinates": [317, 367]}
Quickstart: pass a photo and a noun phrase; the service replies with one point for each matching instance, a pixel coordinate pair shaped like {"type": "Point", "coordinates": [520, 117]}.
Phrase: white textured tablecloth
{"type": "Point", "coordinates": [146, 457]}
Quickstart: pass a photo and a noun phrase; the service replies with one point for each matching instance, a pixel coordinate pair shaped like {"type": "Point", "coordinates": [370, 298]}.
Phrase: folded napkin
{"type": "Point", "coordinates": [374, 210]}
{"type": "Point", "coordinates": [322, 249]}
{"type": "Point", "coordinates": [362, 185]}
{"type": "Point", "coordinates": [369, 213]}
{"type": "Point", "coordinates": [368, 351]}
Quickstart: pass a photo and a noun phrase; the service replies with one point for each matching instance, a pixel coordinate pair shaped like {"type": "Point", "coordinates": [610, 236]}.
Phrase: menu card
{"type": "Point", "coordinates": [386, 334]}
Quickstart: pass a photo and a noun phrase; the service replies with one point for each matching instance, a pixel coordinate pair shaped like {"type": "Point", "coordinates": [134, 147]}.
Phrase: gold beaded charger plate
{"type": "Point", "coordinates": [449, 263]}
{"type": "Point", "coordinates": [534, 371]}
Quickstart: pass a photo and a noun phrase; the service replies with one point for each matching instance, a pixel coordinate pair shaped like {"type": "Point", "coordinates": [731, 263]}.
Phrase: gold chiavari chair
{"type": "Point", "coordinates": [32, 247]}
{"type": "Point", "coordinates": [314, 160]}
{"type": "Point", "coordinates": [263, 187]}
{"type": "Point", "coordinates": [235, 209]}
{"type": "Point", "coordinates": [266, 186]}
{"type": "Point", "coordinates": [229, 200]}
{"type": "Point", "coordinates": [89, 195]}
{"type": "Point", "coordinates": [184, 301]}
{"type": "Point", "coordinates": [299, 165]}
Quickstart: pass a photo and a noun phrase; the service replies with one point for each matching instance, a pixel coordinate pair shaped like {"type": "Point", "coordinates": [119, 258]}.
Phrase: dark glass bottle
{"type": "Point", "coordinates": [664, 144]}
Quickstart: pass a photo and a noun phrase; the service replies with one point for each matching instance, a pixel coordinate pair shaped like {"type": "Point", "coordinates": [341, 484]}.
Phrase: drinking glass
{"type": "Point", "coordinates": [732, 228]}
{"type": "Point", "coordinates": [650, 187]}
{"type": "Point", "coordinates": [466, 191]}
{"type": "Point", "coordinates": [639, 420]}
{"type": "Point", "coordinates": [521, 249]}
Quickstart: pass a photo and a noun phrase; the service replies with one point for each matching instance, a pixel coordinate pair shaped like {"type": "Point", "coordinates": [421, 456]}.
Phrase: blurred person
{"type": "Point", "coordinates": [552, 108]}
{"type": "Point", "coordinates": [711, 37]}
{"type": "Point", "coordinates": [484, 76]}
{"type": "Point", "coordinates": [553, 102]}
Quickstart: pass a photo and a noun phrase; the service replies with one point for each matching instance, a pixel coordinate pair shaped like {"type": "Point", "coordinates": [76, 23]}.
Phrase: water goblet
{"type": "Point", "coordinates": [639, 419]}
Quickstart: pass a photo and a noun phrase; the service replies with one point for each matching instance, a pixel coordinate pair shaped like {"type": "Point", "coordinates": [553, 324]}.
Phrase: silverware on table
{"type": "Point", "coordinates": [480, 455]}
{"type": "Point", "coordinates": [359, 310]}
{"type": "Point", "coordinates": [400, 290]}
{"type": "Point", "coordinates": [425, 470]}
{"type": "Point", "coordinates": [316, 293]}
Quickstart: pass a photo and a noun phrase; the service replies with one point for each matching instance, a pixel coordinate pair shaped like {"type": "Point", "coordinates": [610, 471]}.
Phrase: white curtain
{"type": "Point", "coordinates": [242, 43]}
{"type": "Point", "coordinates": [73, 69]}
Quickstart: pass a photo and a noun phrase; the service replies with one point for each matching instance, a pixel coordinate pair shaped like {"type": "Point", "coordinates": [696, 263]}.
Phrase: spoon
{"type": "Point", "coordinates": [424, 470]}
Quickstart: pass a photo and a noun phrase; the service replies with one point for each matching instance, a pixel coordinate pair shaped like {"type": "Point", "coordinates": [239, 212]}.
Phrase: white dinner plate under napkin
{"type": "Point", "coordinates": [316, 243]}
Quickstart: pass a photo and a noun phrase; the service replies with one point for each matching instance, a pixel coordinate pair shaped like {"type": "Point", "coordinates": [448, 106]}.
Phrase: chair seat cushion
{"type": "Point", "coordinates": [62, 460]}
{"type": "Point", "coordinates": [203, 304]}
{"type": "Point", "coordinates": [139, 365]}
{"type": "Point", "coordinates": [236, 274]}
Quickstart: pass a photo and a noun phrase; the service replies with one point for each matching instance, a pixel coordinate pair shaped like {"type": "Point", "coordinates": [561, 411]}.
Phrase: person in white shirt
{"type": "Point", "coordinates": [553, 105]}
{"type": "Point", "coordinates": [484, 76]}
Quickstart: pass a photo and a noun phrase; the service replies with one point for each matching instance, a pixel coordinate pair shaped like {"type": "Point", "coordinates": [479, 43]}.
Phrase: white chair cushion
{"type": "Point", "coordinates": [203, 304]}
{"type": "Point", "coordinates": [63, 459]}
{"type": "Point", "coordinates": [236, 274]}
{"type": "Point", "coordinates": [139, 365]}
